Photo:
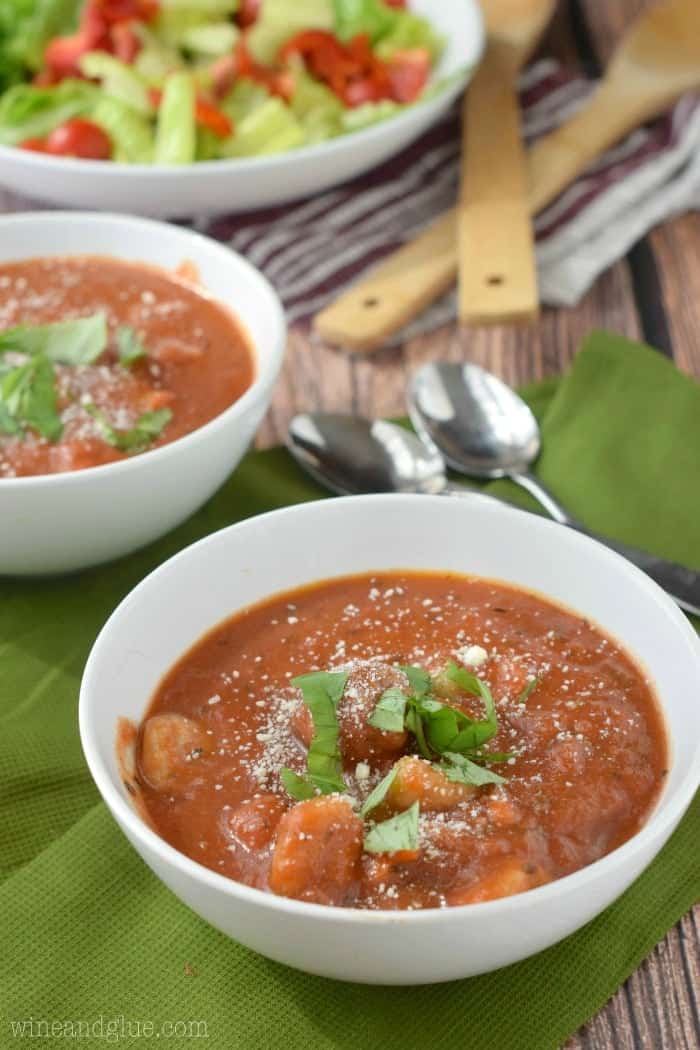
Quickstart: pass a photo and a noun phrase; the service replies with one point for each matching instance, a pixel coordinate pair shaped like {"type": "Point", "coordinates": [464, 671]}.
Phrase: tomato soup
{"type": "Point", "coordinates": [151, 359]}
{"type": "Point", "coordinates": [404, 740]}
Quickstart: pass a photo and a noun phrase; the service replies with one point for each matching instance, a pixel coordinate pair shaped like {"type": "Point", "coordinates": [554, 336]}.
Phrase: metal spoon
{"type": "Point", "coordinates": [351, 455]}
{"type": "Point", "coordinates": [485, 430]}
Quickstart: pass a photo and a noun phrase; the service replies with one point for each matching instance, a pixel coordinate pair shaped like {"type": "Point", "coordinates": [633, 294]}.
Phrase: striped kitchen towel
{"type": "Point", "coordinates": [313, 249]}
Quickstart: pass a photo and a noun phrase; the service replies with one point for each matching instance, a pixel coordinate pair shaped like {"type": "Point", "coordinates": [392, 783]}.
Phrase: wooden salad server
{"type": "Point", "coordinates": [656, 62]}
{"type": "Point", "coordinates": [495, 241]}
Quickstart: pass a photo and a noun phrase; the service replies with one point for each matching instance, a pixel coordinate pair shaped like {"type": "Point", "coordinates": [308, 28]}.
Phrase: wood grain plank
{"type": "Point", "coordinates": [676, 245]}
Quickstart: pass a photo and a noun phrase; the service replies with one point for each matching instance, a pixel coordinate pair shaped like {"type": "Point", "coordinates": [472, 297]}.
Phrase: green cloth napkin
{"type": "Point", "coordinates": [89, 934]}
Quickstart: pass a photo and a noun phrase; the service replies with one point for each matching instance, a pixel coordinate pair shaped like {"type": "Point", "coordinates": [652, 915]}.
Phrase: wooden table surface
{"type": "Point", "coordinates": [652, 294]}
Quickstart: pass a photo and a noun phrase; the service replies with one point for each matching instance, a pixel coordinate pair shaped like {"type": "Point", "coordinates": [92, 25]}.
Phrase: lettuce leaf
{"type": "Point", "coordinates": [26, 26]}
{"type": "Point", "coordinates": [408, 32]}
{"type": "Point", "coordinates": [28, 112]}
{"type": "Point", "coordinates": [372, 17]}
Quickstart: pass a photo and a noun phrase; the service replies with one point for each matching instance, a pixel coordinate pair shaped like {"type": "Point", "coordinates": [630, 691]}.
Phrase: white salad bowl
{"type": "Point", "coordinates": [60, 522]}
{"type": "Point", "coordinates": [208, 582]}
{"type": "Point", "coordinates": [255, 182]}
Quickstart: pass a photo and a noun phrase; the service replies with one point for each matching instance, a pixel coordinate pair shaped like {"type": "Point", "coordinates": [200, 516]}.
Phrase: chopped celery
{"type": "Point", "coordinates": [31, 112]}
{"type": "Point", "coordinates": [279, 20]}
{"type": "Point", "coordinates": [129, 130]}
{"type": "Point", "coordinates": [155, 59]}
{"type": "Point", "coordinates": [117, 79]}
{"type": "Point", "coordinates": [215, 39]}
{"type": "Point", "coordinates": [372, 17]}
{"type": "Point", "coordinates": [176, 138]}
{"type": "Point", "coordinates": [208, 145]}
{"type": "Point", "coordinates": [312, 96]}
{"type": "Point", "coordinates": [369, 113]}
{"type": "Point", "coordinates": [408, 32]}
{"type": "Point", "coordinates": [319, 111]}
{"type": "Point", "coordinates": [176, 20]}
{"type": "Point", "coordinates": [243, 98]}
{"type": "Point", "coordinates": [270, 128]}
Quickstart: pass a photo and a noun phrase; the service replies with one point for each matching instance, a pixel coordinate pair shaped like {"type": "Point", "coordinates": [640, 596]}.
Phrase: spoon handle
{"type": "Point", "coordinates": [681, 583]}
{"type": "Point", "coordinates": [544, 497]}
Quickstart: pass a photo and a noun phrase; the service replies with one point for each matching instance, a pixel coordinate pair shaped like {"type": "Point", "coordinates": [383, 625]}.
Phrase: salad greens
{"type": "Point", "coordinates": [173, 82]}
{"type": "Point", "coordinates": [26, 26]}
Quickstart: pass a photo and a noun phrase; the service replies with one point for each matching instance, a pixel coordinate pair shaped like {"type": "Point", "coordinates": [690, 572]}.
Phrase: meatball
{"type": "Point", "coordinates": [359, 741]}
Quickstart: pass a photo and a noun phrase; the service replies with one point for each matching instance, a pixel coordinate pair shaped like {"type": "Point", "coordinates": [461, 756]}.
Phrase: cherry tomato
{"type": "Point", "coordinates": [125, 10]}
{"type": "Point", "coordinates": [35, 145]}
{"type": "Point", "coordinates": [209, 116]}
{"type": "Point", "coordinates": [125, 43]}
{"type": "Point", "coordinates": [408, 73]}
{"type": "Point", "coordinates": [79, 138]}
{"type": "Point", "coordinates": [104, 26]}
{"type": "Point", "coordinates": [248, 13]}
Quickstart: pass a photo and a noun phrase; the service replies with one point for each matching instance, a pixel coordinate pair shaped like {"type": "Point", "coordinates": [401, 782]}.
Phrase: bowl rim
{"type": "Point", "coordinates": [273, 162]}
{"type": "Point", "coordinates": [267, 365]}
{"type": "Point", "coordinates": [658, 822]}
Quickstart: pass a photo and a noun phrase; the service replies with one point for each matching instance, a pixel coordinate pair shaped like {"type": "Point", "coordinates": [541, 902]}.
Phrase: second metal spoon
{"type": "Point", "coordinates": [485, 430]}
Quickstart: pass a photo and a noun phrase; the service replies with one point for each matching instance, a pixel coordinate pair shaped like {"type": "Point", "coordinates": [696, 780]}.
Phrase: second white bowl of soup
{"type": "Point", "coordinates": [149, 355]}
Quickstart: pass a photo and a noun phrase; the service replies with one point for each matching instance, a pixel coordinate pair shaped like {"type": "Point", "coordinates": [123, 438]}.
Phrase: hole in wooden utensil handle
{"type": "Point", "coordinates": [495, 279]}
{"type": "Point", "coordinates": [370, 302]}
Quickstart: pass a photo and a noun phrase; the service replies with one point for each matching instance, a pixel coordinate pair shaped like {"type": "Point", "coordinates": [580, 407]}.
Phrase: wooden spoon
{"type": "Point", "coordinates": [657, 60]}
{"type": "Point", "coordinates": [497, 271]}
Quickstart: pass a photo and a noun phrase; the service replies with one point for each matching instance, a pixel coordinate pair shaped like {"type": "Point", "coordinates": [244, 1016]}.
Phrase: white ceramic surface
{"type": "Point", "coordinates": [60, 522]}
{"type": "Point", "coordinates": [240, 185]}
{"type": "Point", "coordinates": [209, 581]}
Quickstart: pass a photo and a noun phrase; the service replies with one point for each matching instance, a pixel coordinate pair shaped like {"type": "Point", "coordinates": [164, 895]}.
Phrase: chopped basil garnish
{"type": "Point", "coordinates": [138, 438]}
{"type": "Point", "coordinates": [418, 679]}
{"type": "Point", "coordinates": [322, 691]}
{"type": "Point", "coordinates": [129, 345]}
{"type": "Point", "coordinates": [395, 834]}
{"type": "Point", "coordinates": [438, 727]}
{"type": "Point", "coordinates": [79, 341]}
{"type": "Point", "coordinates": [379, 793]}
{"type": "Point", "coordinates": [529, 688]}
{"type": "Point", "coordinates": [390, 711]}
{"type": "Point", "coordinates": [462, 770]}
{"type": "Point", "coordinates": [297, 786]}
{"type": "Point", "coordinates": [28, 399]}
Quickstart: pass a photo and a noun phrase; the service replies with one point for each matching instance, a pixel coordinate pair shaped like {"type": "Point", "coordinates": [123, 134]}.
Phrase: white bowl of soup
{"type": "Point", "coordinates": [137, 360]}
{"type": "Point", "coordinates": [395, 739]}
